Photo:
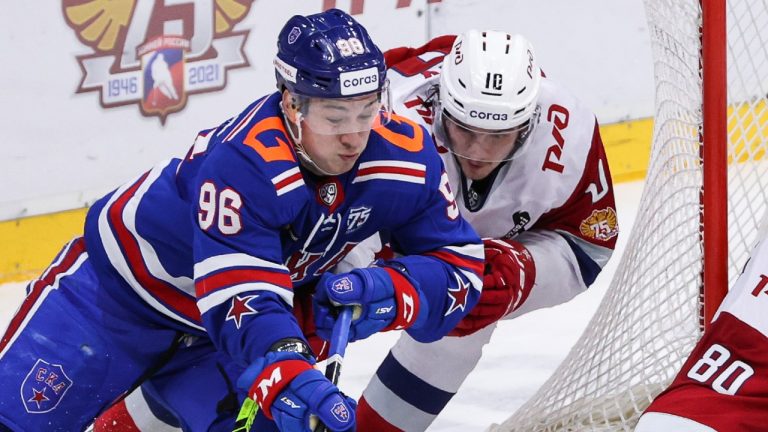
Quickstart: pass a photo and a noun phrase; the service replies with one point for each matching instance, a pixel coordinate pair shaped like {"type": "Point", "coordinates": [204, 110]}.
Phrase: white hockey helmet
{"type": "Point", "coordinates": [490, 80]}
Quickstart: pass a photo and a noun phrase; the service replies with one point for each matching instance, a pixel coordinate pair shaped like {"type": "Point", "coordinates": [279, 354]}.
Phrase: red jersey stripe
{"type": "Point", "coordinates": [391, 170]}
{"type": "Point", "coordinates": [69, 258]}
{"type": "Point", "coordinates": [163, 291]}
{"type": "Point", "coordinates": [291, 179]}
{"type": "Point", "coordinates": [235, 277]}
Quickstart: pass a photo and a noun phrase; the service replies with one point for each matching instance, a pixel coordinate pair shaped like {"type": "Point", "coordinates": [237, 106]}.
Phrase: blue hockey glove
{"type": "Point", "coordinates": [290, 392]}
{"type": "Point", "coordinates": [383, 299]}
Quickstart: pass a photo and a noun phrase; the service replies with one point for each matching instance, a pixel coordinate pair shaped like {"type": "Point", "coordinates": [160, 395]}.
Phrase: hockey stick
{"type": "Point", "coordinates": [339, 341]}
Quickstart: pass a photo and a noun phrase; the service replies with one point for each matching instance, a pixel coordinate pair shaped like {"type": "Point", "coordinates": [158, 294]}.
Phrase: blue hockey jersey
{"type": "Point", "coordinates": [219, 241]}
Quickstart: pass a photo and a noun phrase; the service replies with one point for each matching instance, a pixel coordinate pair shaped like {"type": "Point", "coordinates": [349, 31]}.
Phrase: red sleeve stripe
{"type": "Point", "coordinates": [288, 181]}
{"type": "Point", "coordinates": [229, 278]}
{"type": "Point", "coordinates": [170, 297]}
{"type": "Point", "coordinates": [215, 298]}
{"type": "Point", "coordinates": [391, 170]}
{"type": "Point", "coordinates": [391, 173]}
{"type": "Point", "coordinates": [472, 264]}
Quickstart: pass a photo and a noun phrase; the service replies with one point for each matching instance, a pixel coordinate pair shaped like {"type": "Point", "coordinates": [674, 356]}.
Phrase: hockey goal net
{"type": "Point", "coordinates": [650, 318]}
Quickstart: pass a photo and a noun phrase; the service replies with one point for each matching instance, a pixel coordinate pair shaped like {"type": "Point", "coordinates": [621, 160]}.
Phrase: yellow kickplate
{"type": "Point", "coordinates": [28, 245]}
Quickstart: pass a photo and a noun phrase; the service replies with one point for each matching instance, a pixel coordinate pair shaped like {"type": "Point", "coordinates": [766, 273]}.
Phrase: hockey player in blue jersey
{"type": "Point", "coordinates": [187, 275]}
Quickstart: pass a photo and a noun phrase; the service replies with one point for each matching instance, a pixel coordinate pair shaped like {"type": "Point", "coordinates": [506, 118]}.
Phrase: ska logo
{"type": "Point", "coordinates": [44, 387]}
{"type": "Point", "coordinates": [293, 36]}
{"type": "Point", "coordinates": [342, 286]}
{"type": "Point", "coordinates": [340, 412]}
{"type": "Point", "coordinates": [153, 54]}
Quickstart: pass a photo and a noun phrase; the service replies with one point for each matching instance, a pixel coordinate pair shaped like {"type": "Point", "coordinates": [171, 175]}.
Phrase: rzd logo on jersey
{"type": "Point", "coordinates": [600, 225]}
{"type": "Point", "coordinates": [154, 53]}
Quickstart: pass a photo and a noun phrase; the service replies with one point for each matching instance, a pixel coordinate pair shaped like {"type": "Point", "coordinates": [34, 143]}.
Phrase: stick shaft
{"type": "Point", "coordinates": [339, 341]}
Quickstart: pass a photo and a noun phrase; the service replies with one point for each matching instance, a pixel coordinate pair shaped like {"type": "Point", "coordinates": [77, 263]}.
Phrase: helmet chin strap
{"type": "Point", "coordinates": [304, 158]}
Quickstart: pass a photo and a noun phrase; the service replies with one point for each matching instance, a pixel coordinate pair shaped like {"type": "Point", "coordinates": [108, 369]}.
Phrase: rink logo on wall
{"type": "Point", "coordinates": [44, 387]}
{"type": "Point", "coordinates": [162, 63]}
{"type": "Point", "coordinates": [154, 55]}
{"type": "Point", "coordinates": [600, 225]}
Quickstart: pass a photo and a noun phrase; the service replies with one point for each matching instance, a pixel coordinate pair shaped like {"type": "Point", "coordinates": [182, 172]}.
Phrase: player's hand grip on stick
{"type": "Point", "coordinates": [294, 395]}
{"type": "Point", "coordinates": [339, 340]}
{"type": "Point", "coordinates": [383, 299]}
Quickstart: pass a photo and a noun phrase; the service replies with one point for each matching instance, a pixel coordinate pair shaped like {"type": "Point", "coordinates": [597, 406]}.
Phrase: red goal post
{"type": "Point", "coordinates": [714, 154]}
{"type": "Point", "coordinates": [705, 196]}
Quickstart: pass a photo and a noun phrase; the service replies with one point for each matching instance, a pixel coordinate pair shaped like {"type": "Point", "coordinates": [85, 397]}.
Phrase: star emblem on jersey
{"type": "Point", "coordinates": [458, 296]}
{"type": "Point", "coordinates": [240, 308]}
{"type": "Point", "coordinates": [39, 397]}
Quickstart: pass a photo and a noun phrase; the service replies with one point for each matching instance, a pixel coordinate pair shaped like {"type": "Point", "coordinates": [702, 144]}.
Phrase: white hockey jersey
{"type": "Point", "coordinates": [555, 196]}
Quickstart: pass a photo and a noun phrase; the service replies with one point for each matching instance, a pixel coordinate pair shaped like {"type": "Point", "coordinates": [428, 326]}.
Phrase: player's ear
{"type": "Point", "coordinates": [290, 106]}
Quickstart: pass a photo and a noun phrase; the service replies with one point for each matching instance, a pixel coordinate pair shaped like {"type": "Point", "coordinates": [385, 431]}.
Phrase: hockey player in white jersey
{"type": "Point", "coordinates": [527, 164]}
{"type": "Point", "coordinates": [723, 386]}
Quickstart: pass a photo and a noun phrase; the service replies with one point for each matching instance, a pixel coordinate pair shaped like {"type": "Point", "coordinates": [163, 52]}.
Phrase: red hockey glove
{"type": "Point", "coordinates": [508, 279]}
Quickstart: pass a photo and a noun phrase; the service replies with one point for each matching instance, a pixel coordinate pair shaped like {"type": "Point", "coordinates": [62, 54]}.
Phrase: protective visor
{"type": "Point", "coordinates": [342, 116]}
{"type": "Point", "coordinates": [481, 145]}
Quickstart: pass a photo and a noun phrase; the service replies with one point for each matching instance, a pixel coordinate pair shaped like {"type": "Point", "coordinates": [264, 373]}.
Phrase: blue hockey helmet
{"type": "Point", "coordinates": [328, 55]}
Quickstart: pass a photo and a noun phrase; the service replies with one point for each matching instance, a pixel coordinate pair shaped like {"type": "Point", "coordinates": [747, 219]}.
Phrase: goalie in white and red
{"type": "Point", "coordinates": [723, 386]}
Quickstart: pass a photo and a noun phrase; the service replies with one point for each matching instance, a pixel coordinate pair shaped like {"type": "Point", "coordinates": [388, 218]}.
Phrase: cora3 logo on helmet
{"type": "Point", "coordinates": [155, 55]}
{"type": "Point", "coordinates": [361, 81]}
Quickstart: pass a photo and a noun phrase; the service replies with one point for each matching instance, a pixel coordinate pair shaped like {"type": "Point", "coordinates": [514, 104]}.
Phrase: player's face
{"type": "Point", "coordinates": [335, 131]}
{"type": "Point", "coordinates": [479, 152]}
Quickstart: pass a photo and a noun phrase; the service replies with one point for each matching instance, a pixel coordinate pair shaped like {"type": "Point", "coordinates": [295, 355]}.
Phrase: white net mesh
{"type": "Point", "coordinates": [649, 318]}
